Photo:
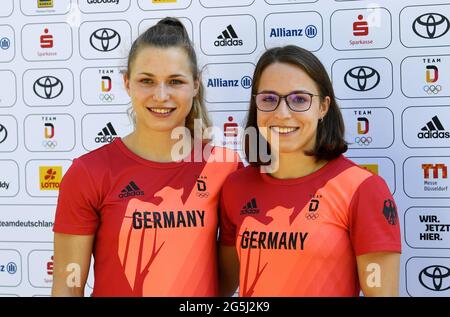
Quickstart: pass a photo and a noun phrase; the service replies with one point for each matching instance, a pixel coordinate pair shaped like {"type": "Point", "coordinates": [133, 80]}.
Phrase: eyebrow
{"type": "Point", "coordinates": [171, 76]}
{"type": "Point", "coordinates": [274, 92]}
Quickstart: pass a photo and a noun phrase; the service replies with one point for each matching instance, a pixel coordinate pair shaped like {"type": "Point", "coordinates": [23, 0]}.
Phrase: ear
{"type": "Point", "coordinates": [196, 86]}
{"type": "Point", "coordinates": [324, 106]}
{"type": "Point", "coordinates": [126, 83]}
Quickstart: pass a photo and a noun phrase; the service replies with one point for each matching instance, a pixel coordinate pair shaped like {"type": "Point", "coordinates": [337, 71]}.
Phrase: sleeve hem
{"type": "Point", "coordinates": [394, 247]}
{"type": "Point", "coordinates": [76, 230]}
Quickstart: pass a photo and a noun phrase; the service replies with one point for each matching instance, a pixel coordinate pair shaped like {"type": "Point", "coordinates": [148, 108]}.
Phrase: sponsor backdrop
{"type": "Point", "coordinates": [61, 95]}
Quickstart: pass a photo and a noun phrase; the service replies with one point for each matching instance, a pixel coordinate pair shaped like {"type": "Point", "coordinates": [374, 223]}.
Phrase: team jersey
{"type": "Point", "coordinates": [300, 237]}
{"type": "Point", "coordinates": [155, 224]}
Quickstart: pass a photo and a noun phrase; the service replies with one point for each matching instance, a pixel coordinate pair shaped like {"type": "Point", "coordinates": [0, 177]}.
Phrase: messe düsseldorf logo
{"type": "Point", "coordinates": [107, 135]}
{"type": "Point", "coordinates": [105, 40]}
{"type": "Point", "coordinates": [48, 87]}
{"type": "Point", "coordinates": [433, 174]}
{"type": "Point", "coordinates": [433, 130]}
{"type": "Point", "coordinates": [5, 43]}
{"type": "Point", "coordinates": [432, 171]}
{"type": "Point", "coordinates": [50, 177]}
{"type": "Point", "coordinates": [228, 37]}
{"type": "Point", "coordinates": [362, 78]}
{"type": "Point", "coordinates": [431, 25]}
{"type": "Point", "coordinates": [3, 133]}
{"type": "Point", "coordinates": [310, 31]}
{"type": "Point", "coordinates": [435, 278]}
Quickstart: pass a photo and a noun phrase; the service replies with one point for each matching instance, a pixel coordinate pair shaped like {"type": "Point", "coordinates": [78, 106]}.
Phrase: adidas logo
{"type": "Point", "coordinates": [250, 208]}
{"type": "Point", "coordinates": [228, 38]}
{"type": "Point", "coordinates": [433, 130]}
{"type": "Point", "coordinates": [131, 190]}
{"type": "Point", "coordinates": [107, 135]}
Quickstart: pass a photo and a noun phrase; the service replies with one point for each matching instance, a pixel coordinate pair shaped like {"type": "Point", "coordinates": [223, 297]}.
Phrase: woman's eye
{"type": "Point", "coordinates": [175, 82]}
{"type": "Point", "coordinates": [146, 81]}
{"type": "Point", "coordinates": [270, 99]}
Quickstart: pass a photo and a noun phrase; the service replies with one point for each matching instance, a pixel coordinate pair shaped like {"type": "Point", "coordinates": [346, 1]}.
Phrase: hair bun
{"type": "Point", "coordinates": [172, 22]}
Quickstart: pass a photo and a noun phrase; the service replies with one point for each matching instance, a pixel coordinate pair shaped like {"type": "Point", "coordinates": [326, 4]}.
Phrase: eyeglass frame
{"type": "Point", "coordinates": [285, 99]}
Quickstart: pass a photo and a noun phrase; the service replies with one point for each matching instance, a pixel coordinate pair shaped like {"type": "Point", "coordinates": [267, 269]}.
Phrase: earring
{"type": "Point", "coordinates": [320, 120]}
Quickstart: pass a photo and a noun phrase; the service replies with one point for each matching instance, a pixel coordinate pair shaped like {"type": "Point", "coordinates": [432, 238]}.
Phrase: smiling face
{"type": "Point", "coordinates": [161, 86]}
{"type": "Point", "coordinates": [296, 130]}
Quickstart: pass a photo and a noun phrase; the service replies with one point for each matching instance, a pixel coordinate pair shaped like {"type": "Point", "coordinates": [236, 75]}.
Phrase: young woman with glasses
{"type": "Point", "coordinates": [318, 225]}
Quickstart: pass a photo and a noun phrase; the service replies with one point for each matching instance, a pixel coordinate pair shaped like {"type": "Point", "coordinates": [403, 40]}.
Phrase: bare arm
{"type": "Point", "coordinates": [379, 273]}
{"type": "Point", "coordinates": [72, 257]}
{"type": "Point", "coordinates": [228, 270]}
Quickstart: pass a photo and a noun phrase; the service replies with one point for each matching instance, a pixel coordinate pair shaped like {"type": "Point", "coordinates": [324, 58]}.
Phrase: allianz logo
{"type": "Point", "coordinates": [245, 82]}
{"type": "Point", "coordinates": [310, 31]}
{"type": "Point", "coordinates": [433, 130]}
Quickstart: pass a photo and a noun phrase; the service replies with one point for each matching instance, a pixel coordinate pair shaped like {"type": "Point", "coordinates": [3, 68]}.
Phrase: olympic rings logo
{"type": "Point", "coordinates": [432, 89]}
{"type": "Point", "coordinates": [203, 195]}
{"type": "Point", "coordinates": [49, 144]}
{"type": "Point", "coordinates": [311, 216]}
{"type": "Point", "coordinates": [106, 97]}
{"type": "Point", "coordinates": [363, 140]}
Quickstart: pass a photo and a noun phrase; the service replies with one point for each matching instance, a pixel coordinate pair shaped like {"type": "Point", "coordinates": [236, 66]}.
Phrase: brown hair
{"type": "Point", "coordinates": [330, 141]}
{"type": "Point", "coordinates": [170, 32]}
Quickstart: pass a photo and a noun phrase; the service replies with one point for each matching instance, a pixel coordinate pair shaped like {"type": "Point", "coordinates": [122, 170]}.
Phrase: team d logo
{"type": "Point", "coordinates": [431, 26]}
{"type": "Point", "coordinates": [50, 177]}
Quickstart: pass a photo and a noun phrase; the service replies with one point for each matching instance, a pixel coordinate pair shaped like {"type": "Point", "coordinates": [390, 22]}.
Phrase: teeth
{"type": "Point", "coordinates": [161, 110]}
{"type": "Point", "coordinates": [283, 130]}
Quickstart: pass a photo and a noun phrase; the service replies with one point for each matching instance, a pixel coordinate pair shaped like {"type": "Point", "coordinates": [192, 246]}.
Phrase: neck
{"type": "Point", "coordinates": [155, 146]}
{"type": "Point", "coordinates": [295, 165]}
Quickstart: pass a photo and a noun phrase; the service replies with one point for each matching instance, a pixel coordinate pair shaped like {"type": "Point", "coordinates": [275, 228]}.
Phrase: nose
{"type": "Point", "coordinates": [282, 110]}
{"type": "Point", "coordinates": [161, 93]}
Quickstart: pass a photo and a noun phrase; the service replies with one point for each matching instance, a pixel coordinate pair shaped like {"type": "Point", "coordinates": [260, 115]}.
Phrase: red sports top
{"type": "Point", "coordinates": [155, 223]}
{"type": "Point", "coordinates": [300, 237]}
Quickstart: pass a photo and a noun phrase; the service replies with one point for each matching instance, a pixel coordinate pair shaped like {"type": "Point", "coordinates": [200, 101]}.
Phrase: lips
{"type": "Point", "coordinates": [284, 130]}
{"type": "Point", "coordinates": [161, 112]}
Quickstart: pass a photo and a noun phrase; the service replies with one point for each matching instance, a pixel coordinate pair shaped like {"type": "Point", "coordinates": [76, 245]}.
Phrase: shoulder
{"type": "Point", "coordinates": [243, 177]}
{"type": "Point", "coordinates": [100, 157]}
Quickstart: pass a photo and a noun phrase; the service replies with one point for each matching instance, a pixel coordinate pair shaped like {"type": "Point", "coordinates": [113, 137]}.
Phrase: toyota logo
{"type": "Point", "coordinates": [3, 133]}
{"type": "Point", "coordinates": [362, 78]}
{"type": "Point", "coordinates": [105, 40]}
{"type": "Point", "coordinates": [435, 278]}
{"type": "Point", "coordinates": [48, 87]}
{"type": "Point", "coordinates": [431, 25]}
